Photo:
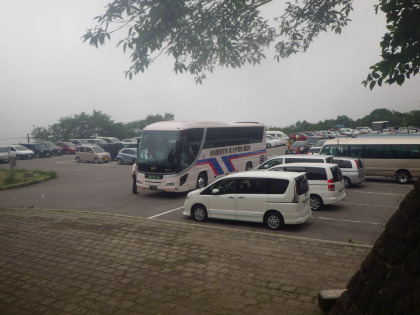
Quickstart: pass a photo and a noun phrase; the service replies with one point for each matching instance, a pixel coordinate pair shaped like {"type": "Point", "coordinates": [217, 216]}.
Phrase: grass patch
{"type": "Point", "coordinates": [23, 176]}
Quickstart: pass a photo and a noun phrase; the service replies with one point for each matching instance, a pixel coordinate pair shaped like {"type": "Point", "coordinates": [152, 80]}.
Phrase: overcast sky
{"type": "Point", "coordinates": [47, 72]}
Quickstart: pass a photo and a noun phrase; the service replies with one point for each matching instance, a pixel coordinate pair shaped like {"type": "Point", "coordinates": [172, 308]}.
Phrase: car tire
{"type": "Point", "coordinates": [316, 202]}
{"type": "Point", "coordinates": [347, 182]}
{"type": "Point", "coordinates": [37, 155]}
{"type": "Point", "coordinates": [96, 161]}
{"type": "Point", "coordinates": [17, 157]}
{"type": "Point", "coordinates": [403, 177]}
{"type": "Point", "coordinates": [68, 152]}
{"type": "Point", "coordinates": [119, 161]}
{"type": "Point", "coordinates": [201, 180]}
{"type": "Point", "coordinates": [273, 220]}
{"type": "Point", "coordinates": [78, 159]}
{"type": "Point", "coordinates": [268, 145]}
{"type": "Point", "coordinates": [199, 213]}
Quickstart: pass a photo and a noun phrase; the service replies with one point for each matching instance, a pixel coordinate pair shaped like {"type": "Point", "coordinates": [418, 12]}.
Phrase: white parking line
{"type": "Point", "coordinates": [158, 215]}
{"type": "Point", "coordinates": [352, 221]}
{"type": "Point", "coordinates": [376, 193]}
{"type": "Point", "coordinates": [366, 204]}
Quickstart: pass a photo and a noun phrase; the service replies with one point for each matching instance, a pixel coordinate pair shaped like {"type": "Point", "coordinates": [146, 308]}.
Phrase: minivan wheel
{"type": "Point", "coordinates": [403, 177]}
{"type": "Point", "coordinates": [316, 203]}
{"type": "Point", "coordinates": [96, 160]}
{"type": "Point", "coordinates": [347, 182]}
{"type": "Point", "coordinates": [273, 220]}
{"type": "Point", "coordinates": [199, 213]}
{"type": "Point", "coordinates": [77, 159]}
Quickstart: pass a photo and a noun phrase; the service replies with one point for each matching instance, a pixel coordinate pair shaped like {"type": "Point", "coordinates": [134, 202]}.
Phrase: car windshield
{"type": "Point", "coordinates": [49, 144]}
{"type": "Point", "coordinates": [3, 149]}
{"type": "Point", "coordinates": [38, 146]}
{"type": "Point", "coordinates": [298, 144]}
{"type": "Point", "coordinates": [97, 149]}
{"type": "Point", "coordinates": [20, 148]}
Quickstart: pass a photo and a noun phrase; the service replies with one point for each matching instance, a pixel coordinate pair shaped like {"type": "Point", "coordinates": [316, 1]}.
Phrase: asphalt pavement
{"type": "Point", "coordinates": [76, 262]}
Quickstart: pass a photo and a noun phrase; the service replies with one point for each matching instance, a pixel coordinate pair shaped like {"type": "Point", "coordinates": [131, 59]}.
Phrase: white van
{"type": "Point", "coordinates": [278, 135]}
{"type": "Point", "coordinates": [299, 158]}
{"type": "Point", "coordinates": [272, 198]}
{"type": "Point", "coordinates": [4, 154]}
{"type": "Point", "coordinates": [326, 183]}
{"type": "Point", "coordinates": [20, 152]}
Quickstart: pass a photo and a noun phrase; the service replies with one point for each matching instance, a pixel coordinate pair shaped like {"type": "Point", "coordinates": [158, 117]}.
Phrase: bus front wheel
{"type": "Point", "coordinates": [403, 177]}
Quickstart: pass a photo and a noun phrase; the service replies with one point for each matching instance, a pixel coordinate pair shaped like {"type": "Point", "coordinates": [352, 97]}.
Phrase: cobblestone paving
{"type": "Point", "coordinates": [69, 262]}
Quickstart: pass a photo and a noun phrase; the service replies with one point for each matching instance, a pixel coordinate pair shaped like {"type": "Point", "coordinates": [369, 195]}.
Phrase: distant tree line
{"type": "Point", "coordinates": [395, 118]}
{"type": "Point", "coordinates": [85, 126]}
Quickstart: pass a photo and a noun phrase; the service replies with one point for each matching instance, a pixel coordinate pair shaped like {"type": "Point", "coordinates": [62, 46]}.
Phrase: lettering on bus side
{"type": "Point", "coordinates": [230, 150]}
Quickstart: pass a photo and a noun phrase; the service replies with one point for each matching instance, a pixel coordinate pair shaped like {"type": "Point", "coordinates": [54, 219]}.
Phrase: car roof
{"type": "Point", "coordinates": [321, 157]}
{"type": "Point", "coordinates": [259, 174]}
{"type": "Point", "coordinates": [320, 165]}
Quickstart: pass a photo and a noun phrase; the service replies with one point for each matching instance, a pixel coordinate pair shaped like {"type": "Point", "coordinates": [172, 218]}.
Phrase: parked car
{"type": "Point", "coordinates": [352, 170]}
{"type": "Point", "coordinates": [20, 152]}
{"type": "Point", "coordinates": [55, 150]}
{"type": "Point", "coordinates": [312, 140]}
{"type": "Point", "coordinates": [285, 159]}
{"type": "Point", "coordinates": [278, 135]}
{"type": "Point", "coordinates": [272, 198]}
{"type": "Point", "coordinates": [39, 149]}
{"type": "Point", "coordinates": [297, 136]}
{"type": "Point", "coordinates": [67, 147]}
{"type": "Point", "coordinates": [113, 146]}
{"type": "Point", "coordinates": [92, 153]}
{"type": "Point", "coordinates": [79, 141]}
{"type": "Point", "coordinates": [364, 130]}
{"type": "Point", "coordinates": [314, 150]}
{"type": "Point", "coordinates": [326, 183]}
{"type": "Point", "coordinates": [270, 142]}
{"type": "Point", "coordinates": [98, 142]}
{"type": "Point", "coordinates": [4, 154]}
{"type": "Point", "coordinates": [126, 156]}
{"type": "Point", "coordinates": [299, 147]}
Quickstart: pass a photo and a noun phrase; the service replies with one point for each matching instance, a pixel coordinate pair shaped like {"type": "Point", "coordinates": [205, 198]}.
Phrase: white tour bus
{"type": "Point", "coordinates": [181, 156]}
{"type": "Point", "coordinates": [397, 157]}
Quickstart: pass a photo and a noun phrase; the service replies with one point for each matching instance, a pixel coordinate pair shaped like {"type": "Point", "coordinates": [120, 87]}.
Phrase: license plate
{"type": "Point", "coordinates": [106, 159]}
{"type": "Point", "coordinates": [153, 187]}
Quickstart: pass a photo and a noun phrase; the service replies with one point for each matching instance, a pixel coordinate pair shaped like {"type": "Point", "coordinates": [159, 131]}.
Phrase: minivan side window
{"type": "Point", "coordinates": [225, 186]}
{"type": "Point", "coordinates": [343, 164]}
{"type": "Point", "coordinates": [252, 186]}
{"type": "Point", "coordinates": [302, 184]}
{"type": "Point", "coordinates": [277, 186]}
{"type": "Point", "coordinates": [316, 173]}
{"type": "Point", "coordinates": [271, 163]}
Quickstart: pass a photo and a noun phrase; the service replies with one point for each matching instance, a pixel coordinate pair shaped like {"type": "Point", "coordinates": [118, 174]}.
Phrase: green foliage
{"type": "Point", "coordinates": [400, 46]}
{"type": "Point", "coordinates": [85, 126]}
{"type": "Point", "coordinates": [202, 34]}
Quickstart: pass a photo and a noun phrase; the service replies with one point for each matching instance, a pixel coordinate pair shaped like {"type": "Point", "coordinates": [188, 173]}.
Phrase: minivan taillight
{"type": "Point", "coordinates": [357, 164]}
{"type": "Point", "coordinates": [296, 196]}
{"type": "Point", "coordinates": [331, 185]}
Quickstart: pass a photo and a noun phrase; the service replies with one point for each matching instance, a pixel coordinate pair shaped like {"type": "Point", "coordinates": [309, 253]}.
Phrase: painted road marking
{"type": "Point", "coordinates": [352, 221]}
{"type": "Point", "coordinates": [158, 215]}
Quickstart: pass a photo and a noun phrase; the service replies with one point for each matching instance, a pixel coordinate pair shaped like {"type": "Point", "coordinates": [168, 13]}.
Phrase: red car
{"type": "Point", "coordinates": [68, 147]}
{"type": "Point", "coordinates": [299, 147]}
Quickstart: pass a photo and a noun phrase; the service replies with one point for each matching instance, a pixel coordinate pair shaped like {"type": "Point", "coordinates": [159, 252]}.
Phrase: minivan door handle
{"type": "Point", "coordinates": [241, 197]}
{"type": "Point", "coordinates": [231, 197]}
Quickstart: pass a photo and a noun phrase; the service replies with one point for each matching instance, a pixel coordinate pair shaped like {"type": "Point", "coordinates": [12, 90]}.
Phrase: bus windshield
{"type": "Point", "coordinates": [162, 151]}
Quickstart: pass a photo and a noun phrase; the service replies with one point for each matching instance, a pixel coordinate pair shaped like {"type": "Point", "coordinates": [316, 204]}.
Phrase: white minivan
{"type": "Point", "coordinates": [326, 183]}
{"type": "Point", "coordinates": [284, 139]}
{"type": "Point", "coordinates": [272, 198]}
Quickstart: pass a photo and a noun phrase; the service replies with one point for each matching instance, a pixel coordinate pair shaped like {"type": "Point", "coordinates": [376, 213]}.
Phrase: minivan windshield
{"type": "Point", "coordinates": [3, 149]}
{"type": "Point", "coordinates": [97, 149]}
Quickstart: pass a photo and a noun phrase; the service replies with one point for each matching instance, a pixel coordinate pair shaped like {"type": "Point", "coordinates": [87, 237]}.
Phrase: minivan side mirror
{"type": "Point", "coordinates": [215, 191]}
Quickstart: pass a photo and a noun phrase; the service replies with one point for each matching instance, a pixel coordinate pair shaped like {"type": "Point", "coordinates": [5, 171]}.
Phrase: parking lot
{"type": "Point", "coordinates": [107, 188]}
